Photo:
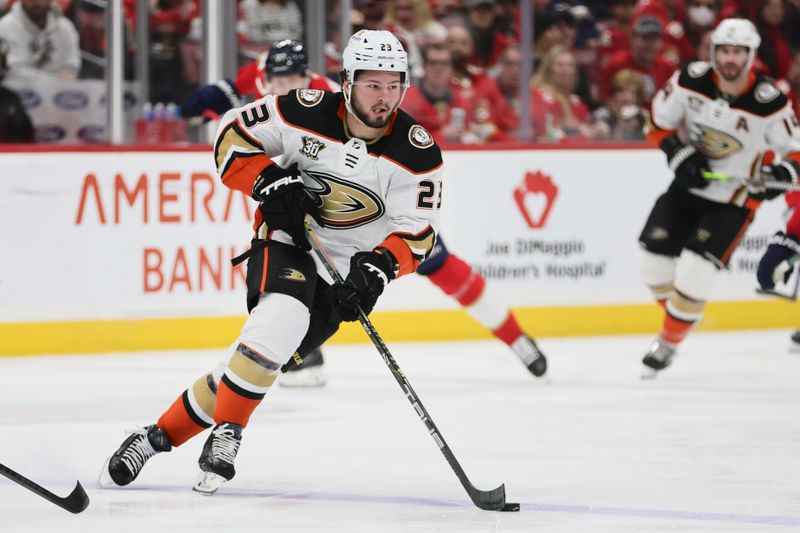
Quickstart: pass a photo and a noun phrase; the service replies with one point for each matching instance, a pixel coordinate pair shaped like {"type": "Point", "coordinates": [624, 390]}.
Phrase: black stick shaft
{"type": "Point", "coordinates": [492, 500]}
{"type": "Point", "coordinates": [76, 502]}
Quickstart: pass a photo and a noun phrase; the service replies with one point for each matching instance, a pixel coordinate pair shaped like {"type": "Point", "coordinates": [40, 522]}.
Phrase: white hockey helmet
{"type": "Point", "coordinates": [737, 32]}
{"type": "Point", "coordinates": [374, 50]}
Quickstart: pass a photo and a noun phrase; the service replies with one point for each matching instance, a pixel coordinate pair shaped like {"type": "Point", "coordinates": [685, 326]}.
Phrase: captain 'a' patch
{"type": "Point", "coordinates": [715, 144]}
{"type": "Point", "coordinates": [344, 204]}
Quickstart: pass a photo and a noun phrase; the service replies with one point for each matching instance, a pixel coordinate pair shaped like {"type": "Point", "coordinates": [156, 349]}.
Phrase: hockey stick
{"type": "Point", "coordinates": [489, 500]}
{"type": "Point", "coordinates": [752, 182]}
{"type": "Point", "coordinates": [76, 502]}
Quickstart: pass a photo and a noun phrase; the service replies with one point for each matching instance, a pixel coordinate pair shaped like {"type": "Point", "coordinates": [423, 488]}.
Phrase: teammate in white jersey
{"type": "Point", "coordinates": [739, 124]}
{"type": "Point", "coordinates": [369, 175]}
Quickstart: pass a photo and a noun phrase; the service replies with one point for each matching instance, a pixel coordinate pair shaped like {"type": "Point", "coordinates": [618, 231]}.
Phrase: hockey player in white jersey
{"type": "Point", "coordinates": [738, 124]}
{"type": "Point", "coordinates": [369, 175]}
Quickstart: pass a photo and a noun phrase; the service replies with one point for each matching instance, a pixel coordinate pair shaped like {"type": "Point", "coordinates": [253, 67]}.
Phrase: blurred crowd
{"type": "Point", "coordinates": [596, 63]}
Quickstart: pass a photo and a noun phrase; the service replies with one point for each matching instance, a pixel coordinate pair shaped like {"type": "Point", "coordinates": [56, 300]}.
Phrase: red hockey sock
{"type": "Point", "coordinates": [234, 404]}
{"type": "Point", "coordinates": [179, 422]}
{"type": "Point", "coordinates": [457, 279]}
{"type": "Point", "coordinates": [509, 330]}
{"type": "Point", "coordinates": [675, 330]}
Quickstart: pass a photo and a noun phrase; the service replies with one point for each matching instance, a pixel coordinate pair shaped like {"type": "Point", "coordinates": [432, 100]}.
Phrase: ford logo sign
{"type": "Point", "coordinates": [30, 98]}
{"type": "Point", "coordinates": [93, 133]}
{"type": "Point", "coordinates": [129, 100]}
{"type": "Point", "coordinates": [48, 133]}
{"type": "Point", "coordinates": [71, 100]}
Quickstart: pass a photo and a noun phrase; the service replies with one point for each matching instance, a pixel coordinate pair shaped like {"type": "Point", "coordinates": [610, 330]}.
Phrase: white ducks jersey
{"type": "Point", "coordinates": [387, 192]}
{"type": "Point", "coordinates": [732, 135]}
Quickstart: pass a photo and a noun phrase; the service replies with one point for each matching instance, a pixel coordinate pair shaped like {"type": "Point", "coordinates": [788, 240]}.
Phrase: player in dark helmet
{"type": "Point", "coordinates": [15, 125]}
{"type": "Point", "coordinates": [283, 68]}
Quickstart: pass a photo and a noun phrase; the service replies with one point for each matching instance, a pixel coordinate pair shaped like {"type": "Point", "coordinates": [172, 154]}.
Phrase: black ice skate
{"type": "Point", "coordinates": [216, 461]}
{"type": "Point", "coordinates": [129, 459]}
{"type": "Point", "coordinates": [307, 373]}
{"type": "Point", "coordinates": [530, 355]}
{"type": "Point", "coordinates": [658, 357]}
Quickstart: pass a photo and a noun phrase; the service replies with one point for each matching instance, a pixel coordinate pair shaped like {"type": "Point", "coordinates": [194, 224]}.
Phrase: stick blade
{"type": "Point", "coordinates": [489, 500]}
{"type": "Point", "coordinates": [76, 502]}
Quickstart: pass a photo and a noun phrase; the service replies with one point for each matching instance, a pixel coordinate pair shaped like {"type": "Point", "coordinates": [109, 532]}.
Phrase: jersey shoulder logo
{"type": "Point", "coordinates": [344, 204]}
{"type": "Point", "coordinates": [419, 137]}
{"type": "Point", "coordinates": [311, 147]}
{"type": "Point", "coordinates": [697, 69]}
{"type": "Point", "coordinates": [766, 92]}
{"type": "Point", "coordinates": [309, 97]}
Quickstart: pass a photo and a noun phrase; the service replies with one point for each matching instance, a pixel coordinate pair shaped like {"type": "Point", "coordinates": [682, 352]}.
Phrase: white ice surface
{"type": "Point", "coordinates": [712, 445]}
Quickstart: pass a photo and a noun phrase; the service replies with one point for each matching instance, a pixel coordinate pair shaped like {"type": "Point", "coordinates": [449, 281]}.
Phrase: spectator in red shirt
{"type": "Point", "coordinates": [465, 75]}
{"type": "Point", "coordinates": [774, 51]}
{"type": "Point", "coordinates": [623, 117]}
{"type": "Point", "coordinates": [489, 41]}
{"type": "Point", "coordinates": [615, 32]}
{"type": "Point", "coordinates": [374, 12]}
{"type": "Point", "coordinates": [644, 55]}
{"type": "Point", "coordinates": [432, 102]}
{"type": "Point", "coordinates": [557, 111]}
{"type": "Point", "coordinates": [414, 16]}
{"type": "Point", "coordinates": [506, 18]}
{"type": "Point", "coordinates": [547, 33]}
{"type": "Point", "coordinates": [677, 46]}
{"type": "Point", "coordinates": [508, 82]}
{"type": "Point", "coordinates": [791, 85]}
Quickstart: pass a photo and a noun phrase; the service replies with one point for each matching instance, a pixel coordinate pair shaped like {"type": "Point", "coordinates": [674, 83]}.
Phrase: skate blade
{"type": "Point", "coordinates": [208, 483]}
{"type": "Point", "coordinates": [104, 478]}
{"type": "Point", "coordinates": [649, 373]}
{"type": "Point", "coordinates": [309, 378]}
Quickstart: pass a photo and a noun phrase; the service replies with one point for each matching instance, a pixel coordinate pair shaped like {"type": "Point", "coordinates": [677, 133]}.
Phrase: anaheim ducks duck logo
{"type": "Point", "coordinates": [716, 144]}
{"type": "Point", "coordinates": [345, 204]}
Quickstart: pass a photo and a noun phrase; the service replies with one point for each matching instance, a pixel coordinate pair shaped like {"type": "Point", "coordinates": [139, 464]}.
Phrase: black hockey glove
{"type": "Point", "coordinates": [786, 171]}
{"type": "Point", "coordinates": [686, 163]}
{"type": "Point", "coordinates": [369, 273]}
{"type": "Point", "coordinates": [774, 264]}
{"type": "Point", "coordinates": [284, 201]}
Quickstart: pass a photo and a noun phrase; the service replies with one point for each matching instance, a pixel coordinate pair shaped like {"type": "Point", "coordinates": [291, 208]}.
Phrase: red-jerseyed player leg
{"type": "Point", "coordinates": [458, 280]}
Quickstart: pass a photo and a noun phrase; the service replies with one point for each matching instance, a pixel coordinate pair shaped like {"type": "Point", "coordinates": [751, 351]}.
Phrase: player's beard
{"type": "Point", "coordinates": [725, 68]}
{"type": "Point", "coordinates": [364, 117]}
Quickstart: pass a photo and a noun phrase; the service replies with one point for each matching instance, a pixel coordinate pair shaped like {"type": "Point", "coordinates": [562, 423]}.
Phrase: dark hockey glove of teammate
{"type": "Point", "coordinates": [774, 263]}
{"type": "Point", "coordinates": [284, 201]}
{"type": "Point", "coordinates": [217, 98]}
{"type": "Point", "coordinates": [786, 171]}
{"type": "Point", "coordinates": [370, 272]}
{"type": "Point", "coordinates": [686, 163]}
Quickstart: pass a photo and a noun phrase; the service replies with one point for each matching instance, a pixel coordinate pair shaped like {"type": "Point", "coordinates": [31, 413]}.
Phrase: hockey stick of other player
{"type": "Point", "coordinates": [76, 502]}
{"type": "Point", "coordinates": [754, 182]}
{"type": "Point", "coordinates": [489, 500]}
{"type": "Point", "coordinates": [780, 271]}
